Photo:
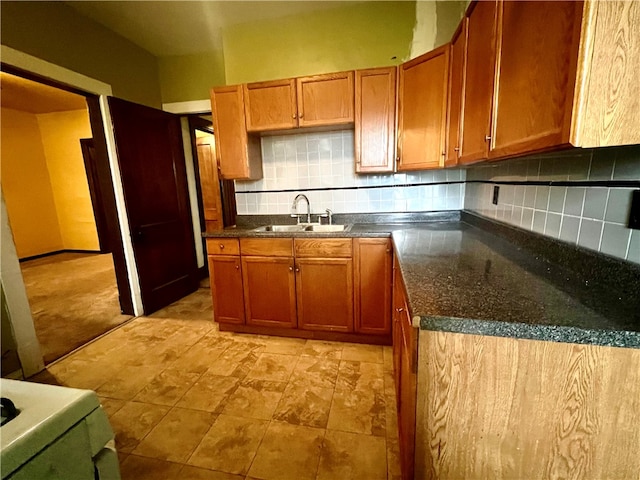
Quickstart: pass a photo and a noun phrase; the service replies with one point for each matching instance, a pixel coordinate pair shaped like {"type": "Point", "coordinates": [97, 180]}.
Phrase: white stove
{"type": "Point", "coordinates": [59, 433]}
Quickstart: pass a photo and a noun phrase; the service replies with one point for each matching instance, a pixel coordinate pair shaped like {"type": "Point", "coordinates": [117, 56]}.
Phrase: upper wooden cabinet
{"type": "Point", "coordinates": [456, 87]}
{"type": "Point", "coordinates": [325, 99]}
{"type": "Point", "coordinates": [535, 76]}
{"type": "Point", "coordinates": [314, 101]}
{"type": "Point", "coordinates": [209, 183]}
{"type": "Point", "coordinates": [479, 78]}
{"type": "Point", "coordinates": [422, 107]}
{"type": "Point", "coordinates": [271, 105]}
{"type": "Point", "coordinates": [375, 120]}
{"type": "Point", "coordinates": [238, 153]}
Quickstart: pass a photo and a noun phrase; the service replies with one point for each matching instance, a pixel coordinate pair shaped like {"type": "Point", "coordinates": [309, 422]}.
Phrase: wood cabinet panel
{"type": "Point", "coordinates": [273, 247]}
{"type": "Point", "coordinates": [479, 81]}
{"type": "Point", "coordinates": [324, 289]}
{"type": "Point", "coordinates": [456, 89]}
{"type": "Point", "coordinates": [323, 247]}
{"type": "Point", "coordinates": [271, 105]}
{"type": "Point", "coordinates": [209, 183]}
{"type": "Point", "coordinates": [422, 107]}
{"type": "Point", "coordinates": [269, 291]}
{"type": "Point", "coordinates": [325, 99]}
{"type": "Point", "coordinates": [375, 120]}
{"type": "Point", "coordinates": [372, 257]}
{"type": "Point", "coordinates": [607, 105]}
{"type": "Point", "coordinates": [238, 153]}
{"type": "Point", "coordinates": [223, 246]}
{"type": "Point", "coordinates": [536, 74]}
{"type": "Point", "coordinates": [226, 289]}
{"type": "Point", "coordinates": [407, 397]}
{"type": "Point", "coordinates": [531, 409]}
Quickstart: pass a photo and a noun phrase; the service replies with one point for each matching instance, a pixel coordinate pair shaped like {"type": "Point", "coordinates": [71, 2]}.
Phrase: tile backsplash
{"type": "Point", "coordinates": [588, 209]}
{"type": "Point", "coordinates": [321, 165]}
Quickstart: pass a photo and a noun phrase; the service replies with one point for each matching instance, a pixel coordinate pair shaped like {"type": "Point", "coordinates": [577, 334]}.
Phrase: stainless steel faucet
{"type": "Point", "coordinates": [294, 207]}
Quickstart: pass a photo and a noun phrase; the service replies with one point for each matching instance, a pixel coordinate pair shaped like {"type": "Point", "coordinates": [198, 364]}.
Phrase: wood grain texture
{"type": "Point", "coordinates": [607, 105]}
{"type": "Point", "coordinates": [238, 157]}
{"type": "Point", "coordinates": [325, 99]}
{"type": "Point", "coordinates": [226, 289]}
{"type": "Point", "coordinates": [274, 247]}
{"type": "Point", "coordinates": [324, 288]}
{"type": "Point", "coordinates": [209, 182]}
{"type": "Point", "coordinates": [270, 105]}
{"type": "Point", "coordinates": [372, 280]}
{"type": "Point", "coordinates": [269, 291]}
{"type": "Point", "coordinates": [535, 75]}
{"type": "Point", "coordinates": [223, 246]}
{"type": "Point", "coordinates": [456, 89]}
{"type": "Point", "coordinates": [422, 107]}
{"type": "Point", "coordinates": [375, 120]}
{"type": "Point", "coordinates": [479, 74]}
{"type": "Point", "coordinates": [322, 247]}
{"type": "Point", "coordinates": [491, 407]}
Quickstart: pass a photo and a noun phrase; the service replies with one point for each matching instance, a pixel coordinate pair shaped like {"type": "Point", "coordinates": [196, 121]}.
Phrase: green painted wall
{"type": "Point", "coordinates": [58, 34]}
{"type": "Point", "coordinates": [189, 77]}
{"type": "Point", "coordinates": [368, 35]}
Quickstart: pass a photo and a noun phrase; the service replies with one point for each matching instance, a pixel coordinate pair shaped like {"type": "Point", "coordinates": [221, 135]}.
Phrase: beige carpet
{"type": "Point", "coordinates": [73, 300]}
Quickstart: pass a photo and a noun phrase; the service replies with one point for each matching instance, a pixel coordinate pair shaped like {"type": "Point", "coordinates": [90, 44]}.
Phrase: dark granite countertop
{"type": "Point", "coordinates": [461, 278]}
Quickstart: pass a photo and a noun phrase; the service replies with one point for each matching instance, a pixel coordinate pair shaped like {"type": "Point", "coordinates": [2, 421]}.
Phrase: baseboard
{"type": "Point", "coordinates": [57, 252]}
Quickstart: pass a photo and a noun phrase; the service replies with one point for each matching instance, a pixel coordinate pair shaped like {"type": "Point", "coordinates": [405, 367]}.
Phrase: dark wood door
{"type": "Point", "coordinates": [269, 291]}
{"type": "Point", "coordinates": [93, 179]}
{"type": "Point", "coordinates": [153, 172]}
{"type": "Point", "coordinates": [324, 289]}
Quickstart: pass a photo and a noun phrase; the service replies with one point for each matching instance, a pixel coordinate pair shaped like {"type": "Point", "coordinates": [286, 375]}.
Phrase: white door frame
{"type": "Point", "coordinates": [31, 358]}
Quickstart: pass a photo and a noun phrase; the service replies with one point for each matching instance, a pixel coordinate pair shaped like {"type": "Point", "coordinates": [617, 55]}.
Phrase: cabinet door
{"type": "Point", "coordinates": [422, 107]}
{"type": "Point", "coordinates": [375, 120]}
{"type": "Point", "coordinates": [325, 99]}
{"type": "Point", "coordinates": [209, 183]}
{"type": "Point", "coordinates": [396, 330]}
{"type": "Point", "coordinates": [479, 77]}
{"type": "Point", "coordinates": [270, 105]}
{"type": "Point", "coordinates": [238, 153]}
{"type": "Point", "coordinates": [373, 285]}
{"type": "Point", "coordinates": [456, 87]}
{"type": "Point", "coordinates": [537, 58]}
{"type": "Point", "coordinates": [269, 291]}
{"type": "Point", "coordinates": [226, 289]}
{"type": "Point", "coordinates": [324, 289]}
{"type": "Point", "coordinates": [407, 395]}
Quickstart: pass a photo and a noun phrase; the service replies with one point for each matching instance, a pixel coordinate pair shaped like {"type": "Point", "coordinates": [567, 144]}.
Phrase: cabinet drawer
{"type": "Point", "coordinates": [272, 247]}
{"type": "Point", "coordinates": [223, 246]}
{"type": "Point", "coordinates": [323, 247]}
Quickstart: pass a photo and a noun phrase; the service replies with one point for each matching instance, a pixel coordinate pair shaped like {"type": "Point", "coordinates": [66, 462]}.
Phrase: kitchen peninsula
{"type": "Point", "coordinates": [498, 347]}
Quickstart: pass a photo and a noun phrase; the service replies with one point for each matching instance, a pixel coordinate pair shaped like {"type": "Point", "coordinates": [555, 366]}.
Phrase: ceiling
{"type": "Point", "coordinates": [21, 94]}
{"type": "Point", "coordinates": [186, 27]}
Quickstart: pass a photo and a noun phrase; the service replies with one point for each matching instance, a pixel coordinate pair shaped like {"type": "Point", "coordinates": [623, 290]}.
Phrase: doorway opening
{"type": "Point", "coordinates": [61, 226]}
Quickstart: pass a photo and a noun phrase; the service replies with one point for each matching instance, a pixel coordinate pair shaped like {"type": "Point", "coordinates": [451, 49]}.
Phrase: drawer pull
{"type": "Point", "coordinates": [221, 246]}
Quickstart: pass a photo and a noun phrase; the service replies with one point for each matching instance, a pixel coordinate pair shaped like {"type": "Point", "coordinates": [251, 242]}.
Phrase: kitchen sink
{"type": "Point", "coordinates": [314, 227]}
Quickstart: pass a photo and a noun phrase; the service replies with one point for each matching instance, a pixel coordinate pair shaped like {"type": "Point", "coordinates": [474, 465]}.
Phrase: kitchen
{"type": "Point", "coordinates": [541, 214]}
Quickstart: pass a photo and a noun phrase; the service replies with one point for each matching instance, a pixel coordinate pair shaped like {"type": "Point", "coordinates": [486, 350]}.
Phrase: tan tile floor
{"type": "Point", "coordinates": [189, 402]}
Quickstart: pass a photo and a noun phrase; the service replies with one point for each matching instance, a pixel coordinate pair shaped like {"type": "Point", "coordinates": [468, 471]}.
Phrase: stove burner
{"type": "Point", "coordinates": [8, 410]}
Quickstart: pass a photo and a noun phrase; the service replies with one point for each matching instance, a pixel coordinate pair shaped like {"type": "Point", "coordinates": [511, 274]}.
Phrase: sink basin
{"type": "Point", "coordinates": [280, 228]}
{"type": "Point", "coordinates": [315, 227]}
{"type": "Point", "coordinates": [327, 228]}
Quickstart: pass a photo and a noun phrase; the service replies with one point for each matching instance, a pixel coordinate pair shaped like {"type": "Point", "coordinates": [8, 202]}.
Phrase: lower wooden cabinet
{"type": "Point", "coordinates": [325, 294]}
{"type": "Point", "coordinates": [304, 287]}
{"type": "Point", "coordinates": [372, 260]}
{"type": "Point", "coordinates": [226, 288]}
{"type": "Point", "coordinates": [405, 361]}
